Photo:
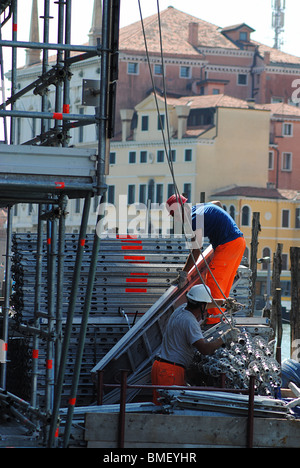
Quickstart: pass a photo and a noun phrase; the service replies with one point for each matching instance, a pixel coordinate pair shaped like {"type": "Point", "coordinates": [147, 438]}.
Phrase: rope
{"type": "Point", "coordinates": [169, 154]}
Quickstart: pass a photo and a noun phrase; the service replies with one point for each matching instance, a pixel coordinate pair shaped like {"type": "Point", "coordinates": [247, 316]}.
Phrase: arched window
{"type": "Point", "coordinates": [232, 211]}
{"type": "Point", "coordinates": [245, 216]}
{"type": "Point", "coordinates": [265, 253]}
{"type": "Point", "coordinates": [151, 184]}
{"type": "Point", "coordinates": [246, 254]}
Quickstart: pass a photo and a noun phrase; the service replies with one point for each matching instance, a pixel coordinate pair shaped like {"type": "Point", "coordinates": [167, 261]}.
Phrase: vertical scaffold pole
{"type": "Point", "coordinates": [45, 63]}
{"type": "Point", "coordinates": [6, 295]}
{"type": "Point", "coordinates": [52, 245]}
{"type": "Point", "coordinates": [82, 333]}
{"type": "Point", "coordinates": [69, 321]}
{"type": "Point", "coordinates": [110, 8]}
{"type": "Point", "coordinates": [60, 281]}
{"type": "Point", "coordinates": [37, 305]}
{"type": "Point", "coordinates": [14, 6]}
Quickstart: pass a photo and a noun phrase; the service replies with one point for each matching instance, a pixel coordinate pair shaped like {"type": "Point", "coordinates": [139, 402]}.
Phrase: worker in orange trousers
{"type": "Point", "coordinates": [212, 221]}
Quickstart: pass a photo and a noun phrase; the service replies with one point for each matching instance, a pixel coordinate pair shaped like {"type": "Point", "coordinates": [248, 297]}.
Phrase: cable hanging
{"type": "Point", "coordinates": [168, 152]}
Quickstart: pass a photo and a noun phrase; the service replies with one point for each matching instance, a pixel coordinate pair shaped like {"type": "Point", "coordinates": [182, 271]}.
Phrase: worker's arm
{"type": "Point", "coordinates": [219, 302]}
{"type": "Point", "coordinates": [208, 347]}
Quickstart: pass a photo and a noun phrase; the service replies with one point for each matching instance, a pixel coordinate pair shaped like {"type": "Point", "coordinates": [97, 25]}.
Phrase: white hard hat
{"type": "Point", "coordinates": [199, 293]}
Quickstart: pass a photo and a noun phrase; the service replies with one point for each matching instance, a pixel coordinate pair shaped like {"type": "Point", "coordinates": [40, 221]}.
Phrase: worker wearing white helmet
{"type": "Point", "coordinates": [183, 336]}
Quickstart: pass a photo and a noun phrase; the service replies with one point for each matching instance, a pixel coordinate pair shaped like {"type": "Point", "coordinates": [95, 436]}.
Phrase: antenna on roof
{"type": "Point", "coordinates": [278, 21]}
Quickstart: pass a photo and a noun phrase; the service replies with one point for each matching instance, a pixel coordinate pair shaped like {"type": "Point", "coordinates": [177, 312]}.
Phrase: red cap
{"type": "Point", "coordinates": [175, 199]}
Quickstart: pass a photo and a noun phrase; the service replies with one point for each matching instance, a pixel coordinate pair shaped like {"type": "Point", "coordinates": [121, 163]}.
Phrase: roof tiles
{"type": "Point", "coordinates": [175, 31]}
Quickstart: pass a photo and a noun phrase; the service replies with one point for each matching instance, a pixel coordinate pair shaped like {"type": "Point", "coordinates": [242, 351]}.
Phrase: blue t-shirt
{"type": "Point", "coordinates": [217, 224]}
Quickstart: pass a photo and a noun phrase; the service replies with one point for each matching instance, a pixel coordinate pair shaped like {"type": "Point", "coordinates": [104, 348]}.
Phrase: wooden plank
{"type": "Point", "coordinates": [159, 430]}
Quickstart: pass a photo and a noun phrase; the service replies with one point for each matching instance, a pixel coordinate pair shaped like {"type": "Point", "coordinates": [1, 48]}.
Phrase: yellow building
{"type": "Point", "coordinates": [214, 141]}
{"type": "Point", "coordinates": [280, 224]}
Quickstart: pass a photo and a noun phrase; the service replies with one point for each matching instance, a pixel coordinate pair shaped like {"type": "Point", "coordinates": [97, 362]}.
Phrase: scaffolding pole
{"type": "Point", "coordinates": [41, 189]}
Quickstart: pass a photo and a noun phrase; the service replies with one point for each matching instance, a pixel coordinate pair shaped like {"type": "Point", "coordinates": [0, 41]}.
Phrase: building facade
{"type": "Point", "coordinates": [280, 224]}
{"type": "Point", "coordinates": [214, 145]}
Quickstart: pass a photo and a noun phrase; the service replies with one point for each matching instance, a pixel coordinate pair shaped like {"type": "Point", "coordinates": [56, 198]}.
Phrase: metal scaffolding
{"type": "Point", "coordinates": [46, 171]}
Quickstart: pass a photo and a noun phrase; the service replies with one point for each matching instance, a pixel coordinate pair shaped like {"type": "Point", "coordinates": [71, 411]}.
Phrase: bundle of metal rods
{"type": "Point", "coordinates": [249, 355]}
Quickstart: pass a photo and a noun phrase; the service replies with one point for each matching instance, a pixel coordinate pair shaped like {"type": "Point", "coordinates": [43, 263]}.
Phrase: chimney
{"type": "Point", "coordinates": [193, 34]}
{"type": "Point", "coordinates": [182, 115]}
{"type": "Point", "coordinates": [126, 117]}
{"type": "Point", "coordinates": [267, 58]}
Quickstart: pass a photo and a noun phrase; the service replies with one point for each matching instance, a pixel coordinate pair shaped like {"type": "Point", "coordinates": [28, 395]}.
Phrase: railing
{"type": "Point", "coordinates": [123, 391]}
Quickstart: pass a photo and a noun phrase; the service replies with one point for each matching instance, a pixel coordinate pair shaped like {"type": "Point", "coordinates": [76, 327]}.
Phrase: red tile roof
{"type": "Point", "coordinates": [259, 192]}
{"type": "Point", "coordinates": [213, 100]}
{"type": "Point", "coordinates": [175, 29]}
{"type": "Point", "coordinates": [281, 109]}
{"type": "Point", "coordinates": [174, 25]}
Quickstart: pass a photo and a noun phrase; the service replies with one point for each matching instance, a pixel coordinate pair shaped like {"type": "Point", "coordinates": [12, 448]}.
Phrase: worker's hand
{"type": "Point", "coordinates": [230, 335]}
{"type": "Point", "coordinates": [232, 304]}
{"type": "Point", "coordinates": [182, 279]}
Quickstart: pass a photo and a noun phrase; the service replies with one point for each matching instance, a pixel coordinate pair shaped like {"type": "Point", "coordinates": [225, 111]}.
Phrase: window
{"type": "Point", "coordinates": [243, 36]}
{"type": "Point", "coordinates": [132, 68]}
{"type": "Point", "coordinates": [287, 129]}
{"type": "Point", "coordinates": [33, 128]}
{"type": "Point", "coordinates": [131, 194]}
{"type": "Point", "coordinates": [142, 193]}
{"type": "Point", "coordinates": [112, 158]}
{"type": "Point", "coordinates": [160, 122]}
{"type": "Point", "coordinates": [132, 157]}
{"type": "Point", "coordinates": [271, 160]}
{"type": "Point", "coordinates": [151, 194]}
{"type": "Point", "coordinates": [188, 155]}
{"type": "Point", "coordinates": [297, 218]}
{"type": "Point", "coordinates": [111, 194]}
{"type": "Point", "coordinates": [284, 261]}
{"type": "Point", "coordinates": [143, 156]}
{"type": "Point", "coordinates": [232, 211]}
{"type": "Point", "coordinates": [77, 205]}
{"type": "Point", "coordinates": [185, 72]}
{"type": "Point", "coordinates": [80, 129]}
{"type": "Point", "coordinates": [216, 91]}
{"type": "Point", "coordinates": [171, 190]}
{"type": "Point", "coordinates": [265, 253]}
{"type": "Point", "coordinates": [187, 191]}
{"type": "Point", "coordinates": [242, 79]}
{"type": "Point", "coordinates": [158, 69]}
{"type": "Point", "coordinates": [159, 193]}
{"type": "Point", "coordinates": [245, 216]}
{"type": "Point", "coordinates": [160, 156]}
{"type": "Point", "coordinates": [96, 203]}
{"type": "Point", "coordinates": [145, 123]}
{"type": "Point", "coordinates": [285, 218]}
{"type": "Point", "coordinates": [173, 155]}
{"type": "Point", "coordinates": [287, 162]}
{"type": "Point", "coordinates": [276, 99]}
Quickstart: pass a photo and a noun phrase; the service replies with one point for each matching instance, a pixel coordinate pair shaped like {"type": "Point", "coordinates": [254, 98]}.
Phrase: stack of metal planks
{"type": "Point", "coordinates": [132, 273]}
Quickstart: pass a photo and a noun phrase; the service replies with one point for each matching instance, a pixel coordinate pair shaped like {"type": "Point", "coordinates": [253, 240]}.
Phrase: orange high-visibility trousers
{"type": "Point", "coordinates": [226, 260]}
{"type": "Point", "coordinates": [163, 373]}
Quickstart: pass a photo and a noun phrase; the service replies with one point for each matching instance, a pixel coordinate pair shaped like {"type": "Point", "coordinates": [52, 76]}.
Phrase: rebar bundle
{"type": "Point", "coordinates": [250, 355]}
